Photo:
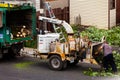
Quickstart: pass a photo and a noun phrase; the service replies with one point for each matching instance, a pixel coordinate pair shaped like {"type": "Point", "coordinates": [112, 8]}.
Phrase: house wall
{"type": "Point", "coordinates": [90, 12]}
{"type": "Point", "coordinates": [59, 3]}
{"type": "Point", "coordinates": [36, 3]}
{"type": "Point", "coordinates": [112, 18]}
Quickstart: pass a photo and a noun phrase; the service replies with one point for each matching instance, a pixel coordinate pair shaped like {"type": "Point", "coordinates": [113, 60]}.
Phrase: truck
{"type": "Point", "coordinates": [17, 25]}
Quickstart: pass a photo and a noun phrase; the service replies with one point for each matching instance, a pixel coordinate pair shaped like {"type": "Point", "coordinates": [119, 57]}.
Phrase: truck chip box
{"type": "Point", "coordinates": [17, 25]}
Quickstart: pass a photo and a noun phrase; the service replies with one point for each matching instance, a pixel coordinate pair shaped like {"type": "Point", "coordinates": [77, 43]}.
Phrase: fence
{"type": "Point", "coordinates": [62, 14]}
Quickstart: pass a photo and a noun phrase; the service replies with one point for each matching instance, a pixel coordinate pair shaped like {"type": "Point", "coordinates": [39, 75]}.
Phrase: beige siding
{"type": "Point", "coordinates": [36, 3]}
{"type": "Point", "coordinates": [59, 3]}
{"type": "Point", "coordinates": [89, 12]}
{"type": "Point", "coordinates": [112, 17]}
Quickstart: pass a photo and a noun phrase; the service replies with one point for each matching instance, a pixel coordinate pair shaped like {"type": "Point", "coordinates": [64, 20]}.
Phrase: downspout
{"type": "Point", "coordinates": [108, 14]}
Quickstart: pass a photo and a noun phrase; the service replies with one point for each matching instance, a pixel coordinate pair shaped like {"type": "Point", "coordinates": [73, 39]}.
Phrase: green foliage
{"type": "Point", "coordinates": [23, 65]}
{"type": "Point", "coordinates": [117, 59]}
{"type": "Point", "coordinates": [94, 34]}
{"type": "Point", "coordinates": [90, 72]}
{"type": "Point", "coordinates": [114, 35]}
{"type": "Point", "coordinates": [75, 28]}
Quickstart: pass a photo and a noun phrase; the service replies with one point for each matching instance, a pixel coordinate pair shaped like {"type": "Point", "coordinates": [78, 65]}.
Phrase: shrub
{"type": "Point", "coordinates": [94, 34]}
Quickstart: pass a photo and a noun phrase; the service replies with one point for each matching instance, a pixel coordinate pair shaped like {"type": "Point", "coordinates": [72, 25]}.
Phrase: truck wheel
{"type": "Point", "coordinates": [1, 54]}
{"type": "Point", "coordinates": [55, 62]}
{"type": "Point", "coordinates": [15, 49]}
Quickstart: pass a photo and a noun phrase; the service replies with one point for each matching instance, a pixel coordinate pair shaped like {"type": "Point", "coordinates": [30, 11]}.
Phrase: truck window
{"type": "Point", "coordinates": [0, 19]}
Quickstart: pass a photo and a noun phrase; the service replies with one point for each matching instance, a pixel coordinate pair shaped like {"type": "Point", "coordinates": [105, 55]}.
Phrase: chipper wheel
{"type": "Point", "coordinates": [56, 63]}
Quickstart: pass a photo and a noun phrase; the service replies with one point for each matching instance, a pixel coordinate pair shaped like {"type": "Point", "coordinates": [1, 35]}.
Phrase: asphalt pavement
{"type": "Point", "coordinates": [27, 68]}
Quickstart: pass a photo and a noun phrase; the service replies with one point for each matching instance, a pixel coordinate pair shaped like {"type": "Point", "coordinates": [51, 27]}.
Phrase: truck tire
{"type": "Point", "coordinates": [55, 63]}
{"type": "Point", "coordinates": [11, 53]}
{"type": "Point", "coordinates": [1, 54]}
{"type": "Point", "coordinates": [15, 49]}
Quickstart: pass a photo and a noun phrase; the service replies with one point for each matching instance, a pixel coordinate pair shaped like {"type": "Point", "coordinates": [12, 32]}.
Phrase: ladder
{"type": "Point", "coordinates": [56, 28]}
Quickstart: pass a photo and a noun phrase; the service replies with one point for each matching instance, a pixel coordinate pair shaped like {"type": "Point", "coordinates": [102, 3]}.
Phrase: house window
{"type": "Point", "coordinates": [112, 4]}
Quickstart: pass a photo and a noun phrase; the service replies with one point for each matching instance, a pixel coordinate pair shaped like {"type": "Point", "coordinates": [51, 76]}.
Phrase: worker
{"type": "Point", "coordinates": [108, 59]}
